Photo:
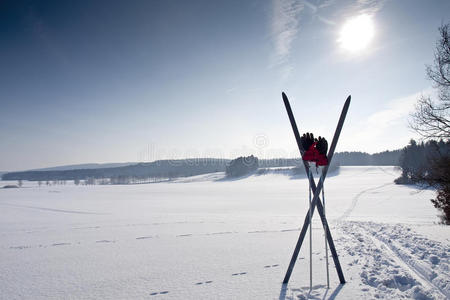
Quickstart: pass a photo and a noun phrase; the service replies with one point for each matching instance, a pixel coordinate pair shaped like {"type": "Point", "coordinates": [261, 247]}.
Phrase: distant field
{"type": "Point", "coordinates": [204, 237]}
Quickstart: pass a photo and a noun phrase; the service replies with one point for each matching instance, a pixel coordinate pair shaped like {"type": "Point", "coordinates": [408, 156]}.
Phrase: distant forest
{"type": "Point", "coordinates": [168, 169]}
{"type": "Point", "coordinates": [159, 169]}
{"type": "Point", "coordinates": [422, 162]}
{"type": "Point", "coordinates": [385, 158]}
{"type": "Point", "coordinates": [428, 164]}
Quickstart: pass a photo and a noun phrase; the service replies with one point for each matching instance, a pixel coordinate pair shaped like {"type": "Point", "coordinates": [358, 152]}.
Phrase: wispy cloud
{"type": "Point", "coordinates": [381, 125]}
{"type": "Point", "coordinates": [325, 20]}
{"type": "Point", "coordinates": [284, 27]}
{"type": "Point", "coordinates": [344, 9]}
{"type": "Point", "coordinates": [369, 7]}
{"type": "Point", "coordinates": [396, 111]}
{"type": "Point", "coordinates": [315, 11]}
{"type": "Point", "coordinates": [310, 5]}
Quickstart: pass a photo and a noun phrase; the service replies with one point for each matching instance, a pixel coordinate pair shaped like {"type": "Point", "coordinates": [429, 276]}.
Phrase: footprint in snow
{"type": "Point", "coordinates": [271, 266]}
{"type": "Point", "coordinates": [144, 237]}
{"type": "Point", "coordinates": [19, 247]}
{"type": "Point", "coordinates": [159, 293]}
{"type": "Point", "coordinates": [105, 241]}
{"type": "Point", "coordinates": [222, 232]}
{"type": "Point", "coordinates": [184, 235]}
{"type": "Point", "coordinates": [60, 244]}
{"type": "Point", "coordinates": [237, 274]}
{"type": "Point", "coordinates": [206, 282]}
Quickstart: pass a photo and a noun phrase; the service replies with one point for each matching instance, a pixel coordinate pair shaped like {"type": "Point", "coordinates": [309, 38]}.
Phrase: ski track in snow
{"type": "Point", "coordinates": [425, 257]}
{"type": "Point", "coordinates": [388, 269]}
{"type": "Point", "coordinates": [355, 199]}
{"type": "Point", "coordinates": [387, 172]}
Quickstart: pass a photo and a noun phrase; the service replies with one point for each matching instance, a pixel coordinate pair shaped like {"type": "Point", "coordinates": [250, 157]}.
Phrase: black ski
{"type": "Point", "coordinates": [316, 190]}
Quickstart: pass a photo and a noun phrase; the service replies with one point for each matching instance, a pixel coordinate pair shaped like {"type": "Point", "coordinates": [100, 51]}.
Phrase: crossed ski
{"type": "Point", "coordinates": [316, 190]}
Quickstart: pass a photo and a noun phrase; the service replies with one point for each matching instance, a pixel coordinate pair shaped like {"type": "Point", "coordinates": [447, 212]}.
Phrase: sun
{"type": "Point", "coordinates": [356, 33]}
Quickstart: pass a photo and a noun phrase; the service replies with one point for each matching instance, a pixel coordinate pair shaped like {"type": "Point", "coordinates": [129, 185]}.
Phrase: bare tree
{"type": "Point", "coordinates": [431, 118]}
{"type": "Point", "coordinates": [432, 121]}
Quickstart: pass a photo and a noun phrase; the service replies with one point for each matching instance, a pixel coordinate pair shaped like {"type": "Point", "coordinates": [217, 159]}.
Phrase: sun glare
{"type": "Point", "coordinates": [356, 33]}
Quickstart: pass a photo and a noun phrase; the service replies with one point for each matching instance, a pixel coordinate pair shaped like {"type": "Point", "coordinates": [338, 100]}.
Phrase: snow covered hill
{"type": "Point", "coordinates": [207, 238]}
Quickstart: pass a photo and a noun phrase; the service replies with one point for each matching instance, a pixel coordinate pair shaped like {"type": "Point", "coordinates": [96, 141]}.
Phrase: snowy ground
{"type": "Point", "coordinates": [206, 238]}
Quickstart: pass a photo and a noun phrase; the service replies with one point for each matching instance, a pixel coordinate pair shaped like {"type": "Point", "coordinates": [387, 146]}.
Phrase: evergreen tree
{"type": "Point", "coordinates": [242, 166]}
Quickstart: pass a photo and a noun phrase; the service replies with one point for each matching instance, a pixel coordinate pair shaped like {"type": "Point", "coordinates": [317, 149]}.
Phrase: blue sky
{"type": "Point", "coordinates": [115, 81]}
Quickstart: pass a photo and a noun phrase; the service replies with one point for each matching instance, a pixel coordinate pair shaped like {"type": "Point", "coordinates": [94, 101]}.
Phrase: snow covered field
{"type": "Point", "coordinates": [204, 238]}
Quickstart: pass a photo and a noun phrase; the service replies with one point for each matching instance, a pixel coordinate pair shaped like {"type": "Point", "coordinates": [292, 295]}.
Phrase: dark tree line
{"type": "Point", "coordinates": [428, 163]}
{"type": "Point", "coordinates": [166, 169]}
{"type": "Point", "coordinates": [385, 158]}
{"type": "Point", "coordinates": [354, 158]}
{"type": "Point", "coordinates": [417, 159]}
{"type": "Point", "coordinates": [157, 169]}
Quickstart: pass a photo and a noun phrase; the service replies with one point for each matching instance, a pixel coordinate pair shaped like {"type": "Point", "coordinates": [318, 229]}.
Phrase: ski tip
{"type": "Point", "coordinates": [349, 98]}
{"type": "Point", "coordinates": [285, 98]}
